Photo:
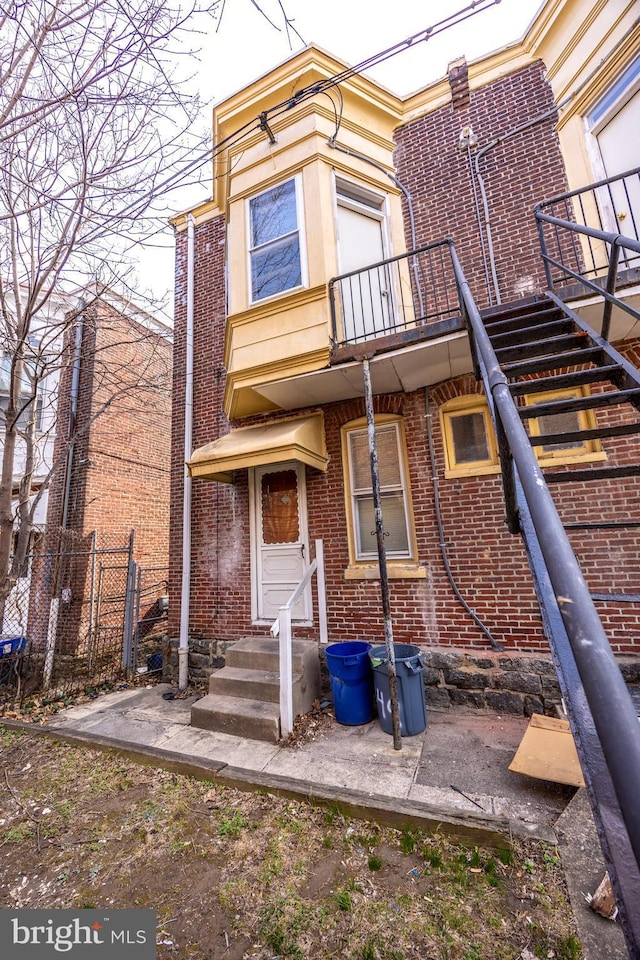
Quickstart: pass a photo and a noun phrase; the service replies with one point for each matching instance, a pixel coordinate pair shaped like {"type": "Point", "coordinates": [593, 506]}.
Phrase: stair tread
{"type": "Point", "coordinates": [562, 326]}
{"type": "Point", "coordinates": [593, 473]}
{"type": "Point", "coordinates": [520, 368]}
{"type": "Point", "coordinates": [224, 703]}
{"type": "Point", "coordinates": [544, 348]}
{"type": "Point", "coordinates": [265, 651]}
{"type": "Point", "coordinates": [237, 717]}
{"type": "Point", "coordinates": [562, 380]}
{"type": "Point", "coordinates": [591, 402]}
{"type": "Point", "coordinates": [251, 674]}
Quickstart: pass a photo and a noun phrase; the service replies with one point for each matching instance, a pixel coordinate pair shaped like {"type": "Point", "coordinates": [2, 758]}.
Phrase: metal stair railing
{"type": "Point", "coordinates": [598, 703]}
{"type": "Point", "coordinates": [614, 243]}
{"type": "Point", "coordinates": [282, 628]}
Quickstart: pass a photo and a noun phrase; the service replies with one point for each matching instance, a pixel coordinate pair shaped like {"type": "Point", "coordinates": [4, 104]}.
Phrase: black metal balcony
{"type": "Point", "coordinates": [399, 300]}
{"type": "Point", "coordinates": [573, 253]}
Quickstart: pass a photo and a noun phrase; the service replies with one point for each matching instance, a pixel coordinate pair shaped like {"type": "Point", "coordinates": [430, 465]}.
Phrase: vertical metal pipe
{"type": "Point", "coordinates": [183, 648]}
{"type": "Point", "coordinates": [382, 557]}
{"type": "Point", "coordinates": [92, 597]}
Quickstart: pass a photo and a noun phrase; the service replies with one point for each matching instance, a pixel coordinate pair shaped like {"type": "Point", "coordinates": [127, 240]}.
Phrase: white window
{"type": "Point", "coordinates": [393, 489]}
{"type": "Point", "coordinates": [275, 240]}
{"type": "Point", "coordinates": [30, 393]}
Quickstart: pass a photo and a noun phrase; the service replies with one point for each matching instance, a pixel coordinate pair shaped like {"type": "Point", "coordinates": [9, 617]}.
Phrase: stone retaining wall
{"type": "Point", "coordinates": [519, 683]}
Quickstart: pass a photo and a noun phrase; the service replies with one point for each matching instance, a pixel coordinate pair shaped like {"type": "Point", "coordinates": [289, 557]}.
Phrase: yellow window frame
{"type": "Point", "coordinates": [460, 407]}
{"type": "Point", "coordinates": [367, 568]}
{"type": "Point", "coordinates": [588, 450]}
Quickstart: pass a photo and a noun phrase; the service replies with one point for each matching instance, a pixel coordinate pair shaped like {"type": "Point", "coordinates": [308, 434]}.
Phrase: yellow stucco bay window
{"type": "Point", "coordinates": [299, 438]}
{"type": "Point", "coordinates": [275, 250]}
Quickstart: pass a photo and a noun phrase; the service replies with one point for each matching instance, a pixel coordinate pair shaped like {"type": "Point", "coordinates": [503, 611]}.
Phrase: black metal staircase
{"type": "Point", "coordinates": [546, 347]}
{"type": "Point", "coordinates": [539, 348]}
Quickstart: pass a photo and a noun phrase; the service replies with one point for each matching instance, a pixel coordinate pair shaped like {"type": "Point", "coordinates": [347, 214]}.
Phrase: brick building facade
{"type": "Point", "coordinates": [110, 472]}
{"type": "Point", "coordinates": [473, 166]}
{"type": "Point", "coordinates": [119, 474]}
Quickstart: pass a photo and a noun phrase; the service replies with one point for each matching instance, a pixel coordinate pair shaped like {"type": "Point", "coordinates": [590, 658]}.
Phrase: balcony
{"type": "Point", "coordinates": [581, 237]}
{"type": "Point", "coordinates": [402, 313]}
{"type": "Point", "coordinates": [400, 301]}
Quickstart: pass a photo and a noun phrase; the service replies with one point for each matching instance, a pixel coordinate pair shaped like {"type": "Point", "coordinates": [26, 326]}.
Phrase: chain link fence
{"type": "Point", "coordinates": [83, 617]}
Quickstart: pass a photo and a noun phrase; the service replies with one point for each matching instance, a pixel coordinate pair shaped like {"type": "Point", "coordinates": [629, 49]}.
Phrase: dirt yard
{"type": "Point", "coordinates": [250, 876]}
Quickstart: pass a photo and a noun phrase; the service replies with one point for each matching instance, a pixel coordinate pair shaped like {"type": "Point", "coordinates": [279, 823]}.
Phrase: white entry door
{"type": "Point", "coordinates": [620, 151]}
{"type": "Point", "coordinates": [366, 298]}
{"type": "Point", "coordinates": [281, 548]}
{"type": "Point", "coordinates": [614, 123]}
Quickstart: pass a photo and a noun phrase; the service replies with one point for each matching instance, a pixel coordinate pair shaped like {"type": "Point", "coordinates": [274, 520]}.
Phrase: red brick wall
{"type": "Point", "coordinates": [120, 477]}
{"type": "Point", "coordinates": [489, 565]}
{"type": "Point", "coordinates": [209, 500]}
{"type": "Point", "coordinates": [518, 172]}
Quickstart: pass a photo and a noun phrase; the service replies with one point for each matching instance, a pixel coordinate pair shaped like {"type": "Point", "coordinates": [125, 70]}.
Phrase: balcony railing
{"type": "Point", "coordinates": [401, 295]}
{"type": "Point", "coordinates": [572, 255]}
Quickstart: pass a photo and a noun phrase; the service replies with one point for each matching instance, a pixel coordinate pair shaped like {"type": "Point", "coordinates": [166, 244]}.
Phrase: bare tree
{"type": "Point", "coordinates": [97, 122]}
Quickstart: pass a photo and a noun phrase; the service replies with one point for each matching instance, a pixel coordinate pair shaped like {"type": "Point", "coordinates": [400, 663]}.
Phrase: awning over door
{"type": "Point", "coordinates": [300, 439]}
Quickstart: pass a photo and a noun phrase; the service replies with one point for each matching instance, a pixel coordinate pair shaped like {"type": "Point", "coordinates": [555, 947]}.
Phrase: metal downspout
{"type": "Point", "coordinates": [73, 414]}
{"type": "Point", "coordinates": [183, 647]}
{"type": "Point", "coordinates": [495, 644]}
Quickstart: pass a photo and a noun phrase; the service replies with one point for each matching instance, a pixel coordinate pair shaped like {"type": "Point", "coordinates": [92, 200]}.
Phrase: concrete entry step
{"type": "Point", "coordinates": [240, 717]}
{"type": "Point", "coordinates": [244, 696]}
{"type": "Point", "coordinates": [262, 653]}
{"type": "Point", "coordinates": [247, 684]}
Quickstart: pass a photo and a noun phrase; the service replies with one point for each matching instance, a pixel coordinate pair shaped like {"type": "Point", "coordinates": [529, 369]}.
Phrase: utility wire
{"type": "Point", "coordinates": [312, 90]}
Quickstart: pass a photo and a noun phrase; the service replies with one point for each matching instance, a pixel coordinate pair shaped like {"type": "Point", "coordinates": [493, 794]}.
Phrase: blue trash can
{"type": "Point", "coordinates": [410, 686]}
{"type": "Point", "coordinates": [351, 681]}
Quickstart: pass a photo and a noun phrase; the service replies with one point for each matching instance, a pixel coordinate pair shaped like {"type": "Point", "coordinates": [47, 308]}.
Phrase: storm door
{"type": "Point", "coordinates": [366, 302]}
{"type": "Point", "coordinates": [280, 539]}
{"type": "Point", "coordinates": [614, 122]}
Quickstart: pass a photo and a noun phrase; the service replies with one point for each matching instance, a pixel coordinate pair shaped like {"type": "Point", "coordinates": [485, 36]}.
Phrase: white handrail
{"type": "Point", "coordinates": [282, 627]}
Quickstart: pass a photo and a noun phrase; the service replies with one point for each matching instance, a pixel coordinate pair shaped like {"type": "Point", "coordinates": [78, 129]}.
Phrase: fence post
{"type": "Point", "coordinates": [127, 631]}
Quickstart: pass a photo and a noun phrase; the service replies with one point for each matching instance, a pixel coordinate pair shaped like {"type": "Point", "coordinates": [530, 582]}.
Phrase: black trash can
{"type": "Point", "coordinates": [411, 703]}
{"type": "Point", "coordinates": [351, 681]}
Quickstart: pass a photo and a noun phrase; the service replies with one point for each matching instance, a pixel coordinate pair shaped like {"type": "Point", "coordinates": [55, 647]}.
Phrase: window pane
{"type": "Point", "coordinates": [394, 523]}
{"type": "Point", "coordinates": [470, 443]}
{"type": "Point", "coordinates": [273, 213]}
{"type": "Point", "coordinates": [388, 463]}
{"type": "Point", "coordinates": [276, 268]}
{"type": "Point", "coordinates": [279, 493]}
{"type": "Point", "coordinates": [568, 422]}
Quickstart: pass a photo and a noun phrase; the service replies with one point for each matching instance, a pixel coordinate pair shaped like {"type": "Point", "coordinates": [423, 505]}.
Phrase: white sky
{"type": "Point", "coordinates": [245, 46]}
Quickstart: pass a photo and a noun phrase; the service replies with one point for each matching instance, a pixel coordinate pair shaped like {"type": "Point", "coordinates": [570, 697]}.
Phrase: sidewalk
{"type": "Point", "coordinates": [454, 777]}
{"type": "Point", "coordinates": [357, 764]}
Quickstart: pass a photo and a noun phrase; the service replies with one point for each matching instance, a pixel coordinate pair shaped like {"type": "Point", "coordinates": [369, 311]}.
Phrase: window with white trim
{"type": "Point", "coordinates": [275, 252]}
{"type": "Point", "coordinates": [394, 492]}
{"type": "Point", "coordinates": [30, 393]}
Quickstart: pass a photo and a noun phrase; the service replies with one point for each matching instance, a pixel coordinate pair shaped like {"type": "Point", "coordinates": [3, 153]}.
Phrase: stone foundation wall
{"type": "Point", "coordinates": [519, 684]}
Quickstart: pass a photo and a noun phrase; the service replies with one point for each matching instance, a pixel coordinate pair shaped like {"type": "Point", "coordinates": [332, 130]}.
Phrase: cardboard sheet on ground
{"type": "Point", "coordinates": [547, 751]}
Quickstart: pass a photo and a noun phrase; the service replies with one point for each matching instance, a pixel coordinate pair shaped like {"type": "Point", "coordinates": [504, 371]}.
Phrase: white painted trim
{"type": "Point", "coordinates": [255, 521]}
